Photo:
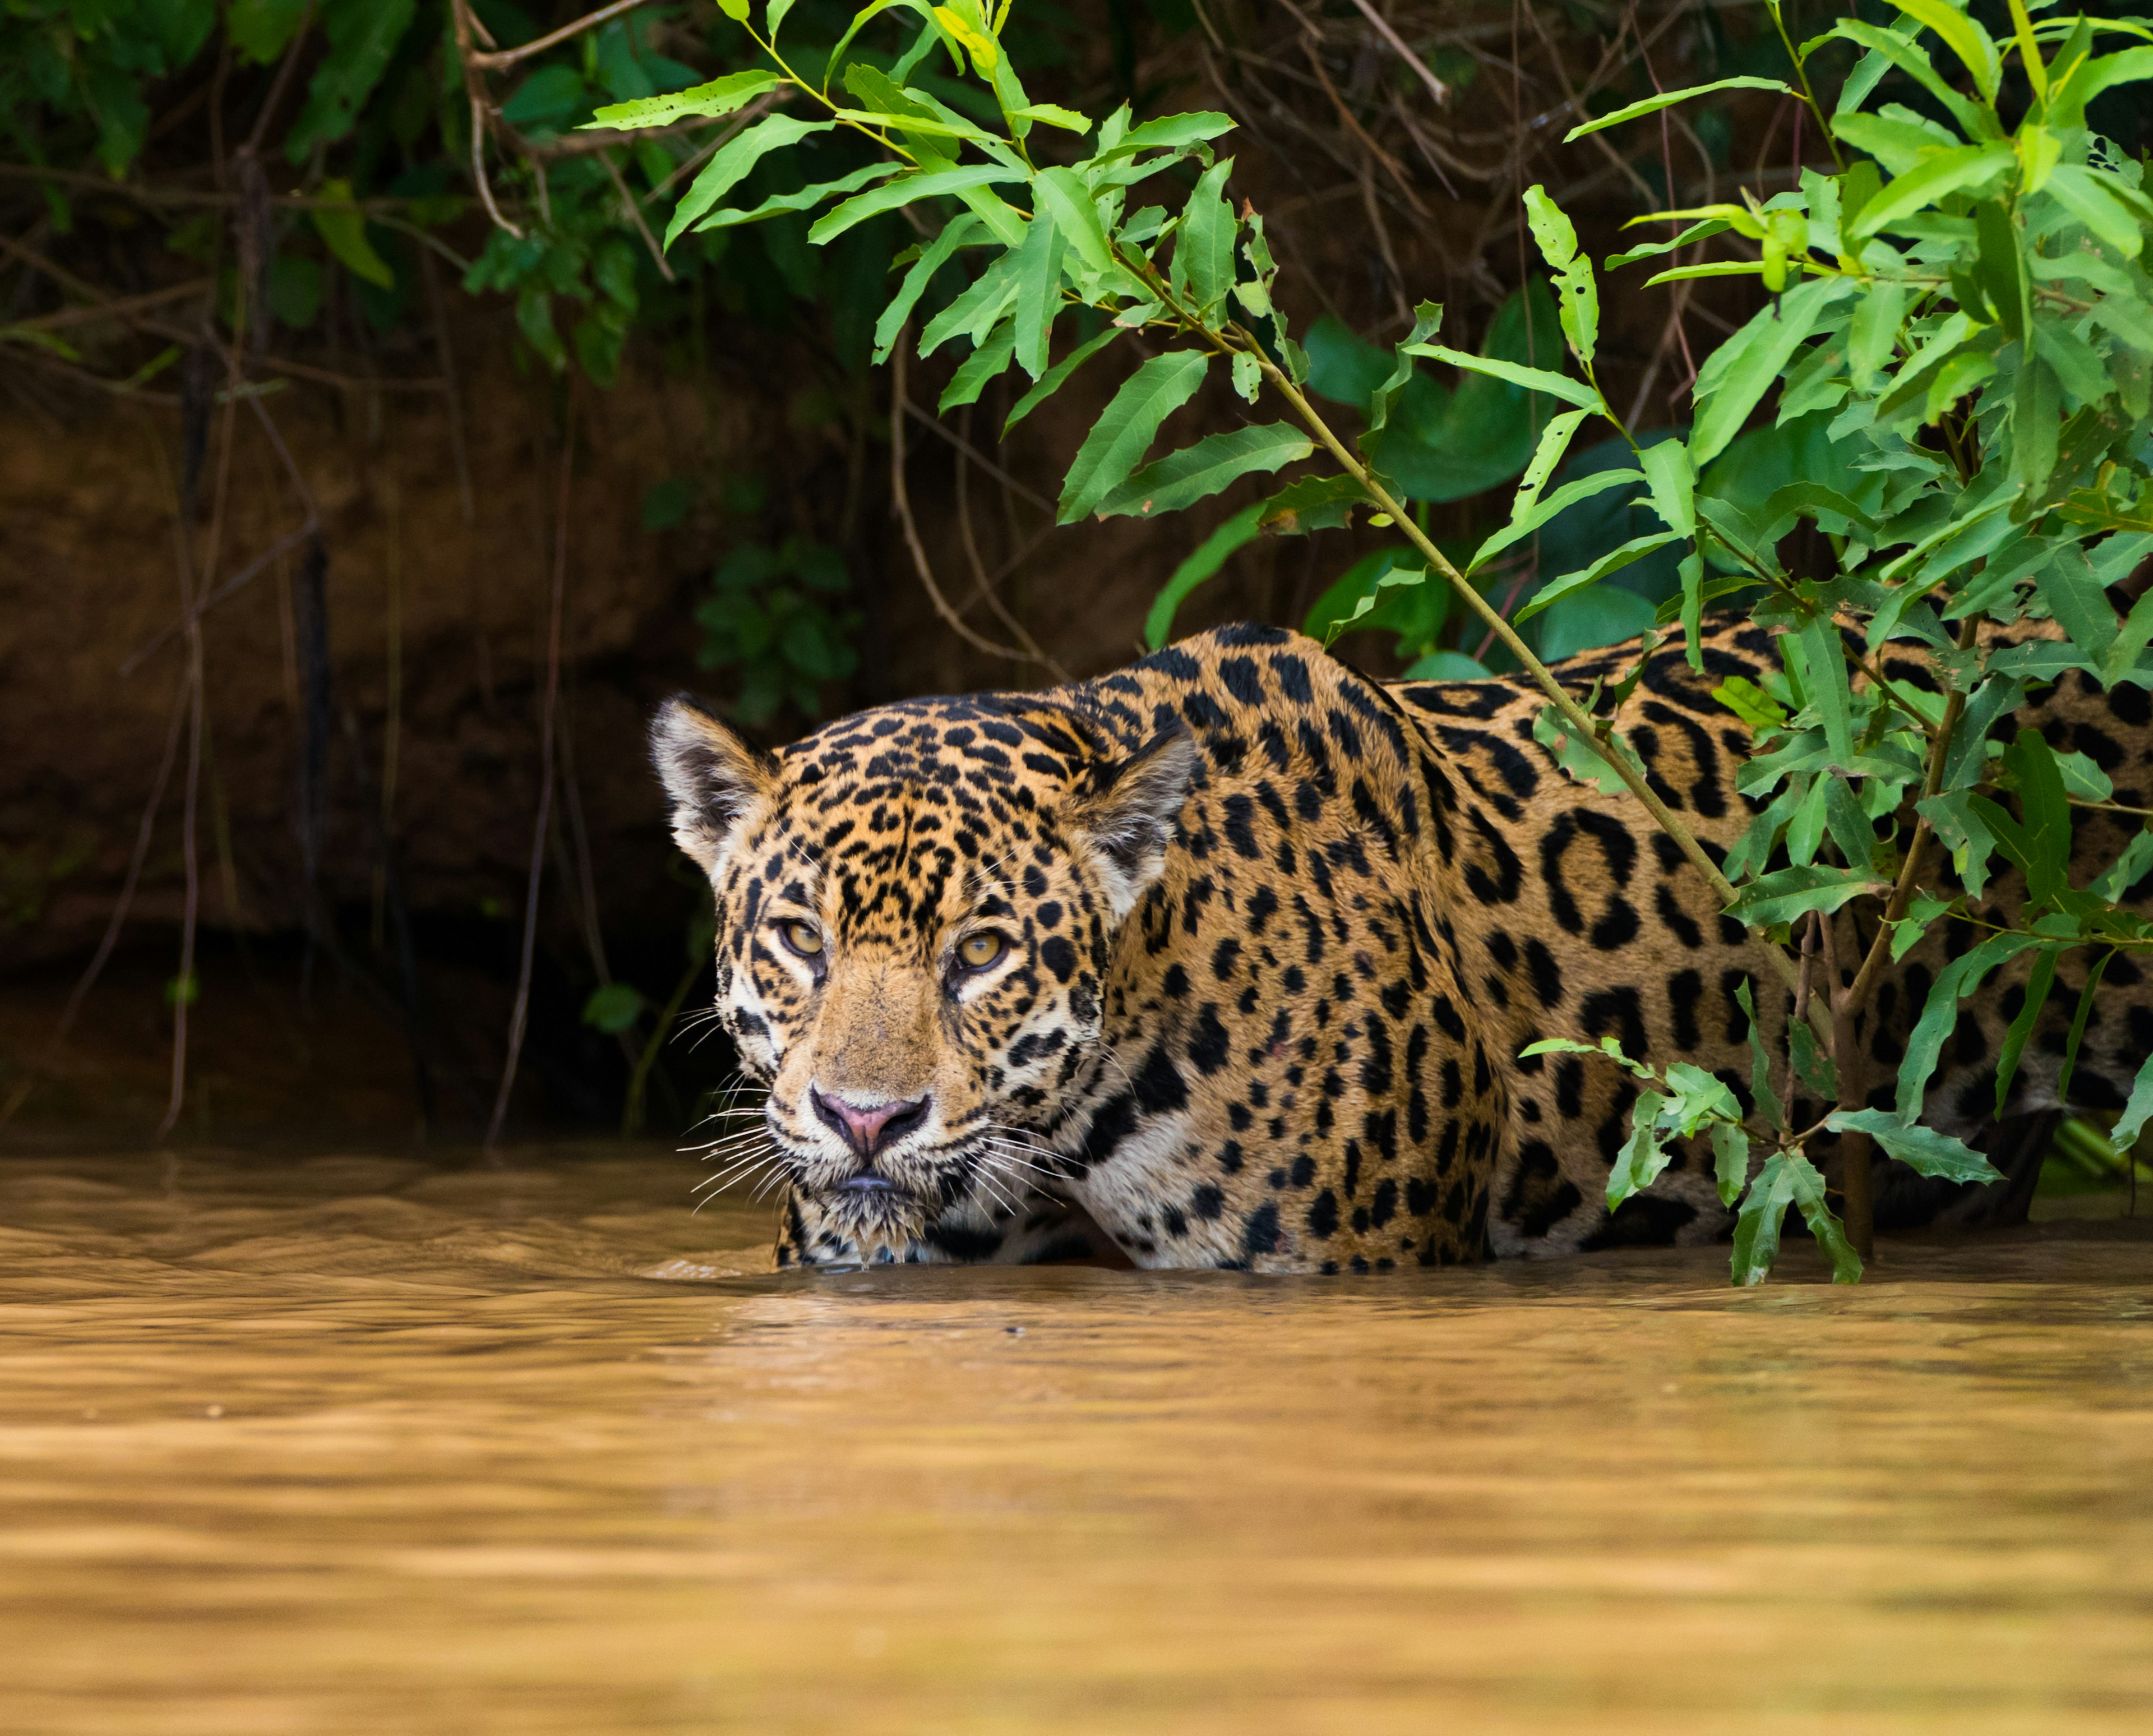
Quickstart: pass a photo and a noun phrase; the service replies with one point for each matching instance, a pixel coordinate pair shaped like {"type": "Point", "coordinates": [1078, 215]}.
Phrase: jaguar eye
{"type": "Point", "coordinates": [978, 951]}
{"type": "Point", "coordinates": [804, 937]}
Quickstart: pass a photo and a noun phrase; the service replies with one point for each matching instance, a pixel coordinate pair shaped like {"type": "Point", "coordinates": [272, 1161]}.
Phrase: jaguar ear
{"type": "Point", "coordinates": [1127, 815]}
{"type": "Point", "coordinates": [714, 777]}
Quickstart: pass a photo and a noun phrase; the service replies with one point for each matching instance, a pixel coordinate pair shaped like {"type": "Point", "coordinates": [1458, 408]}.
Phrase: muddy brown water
{"type": "Point", "coordinates": [369, 1443]}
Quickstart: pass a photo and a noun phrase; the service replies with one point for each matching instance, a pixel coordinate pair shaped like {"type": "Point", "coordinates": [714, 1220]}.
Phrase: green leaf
{"type": "Point", "coordinates": [1314, 503]}
{"type": "Point", "coordinates": [1428, 320]}
{"type": "Point", "coordinates": [866, 15]}
{"type": "Point", "coordinates": [1211, 554]}
{"type": "Point", "coordinates": [1965, 834]}
{"type": "Point", "coordinates": [1898, 139]}
{"type": "Point", "coordinates": [937, 253]}
{"type": "Point", "coordinates": [1730, 1159]}
{"type": "Point", "coordinates": [1964, 38]}
{"type": "Point", "coordinates": [1184, 477]}
{"type": "Point", "coordinates": [1807, 1185]}
{"type": "Point", "coordinates": [1956, 982]}
{"type": "Point", "coordinates": [983, 364]}
{"type": "Point", "coordinates": [1587, 761]}
{"type": "Point", "coordinates": [734, 163]}
{"type": "Point", "coordinates": [2047, 834]}
{"type": "Point", "coordinates": [666, 503]}
{"type": "Point", "coordinates": [1906, 933]}
{"type": "Point", "coordinates": [1737, 375]}
{"type": "Point", "coordinates": [977, 309]}
{"type": "Point", "coordinates": [1608, 1048]}
{"type": "Point", "coordinates": [1038, 295]}
{"type": "Point", "coordinates": [1538, 512]}
{"type": "Point", "coordinates": [1397, 576]}
{"type": "Point", "coordinates": [2076, 1032]}
{"type": "Point", "coordinates": [260, 30]}
{"type": "Point", "coordinates": [925, 132]}
{"type": "Point", "coordinates": [1600, 615]}
{"type": "Point", "coordinates": [1851, 829]}
{"type": "Point", "coordinates": [1444, 666]}
{"type": "Point", "coordinates": [1613, 561]}
{"type": "Point", "coordinates": [2137, 1111]}
{"type": "Point", "coordinates": [1812, 1065]}
{"type": "Point", "coordinates": [614, 1008]}
{"type": "Point", "coordinates": [1578, 295]}
{"type": "Point", "coordinates": [2127, 870]}
{"type": "Point", "coordinates": [1824, 679]}
{"type": "Point", "coordinates": [1058, 376]}
{"type": "Point", "coordinates": [1873, 335]}
{"type": "Point", "coordinates": [2000, 269]}
{"type": "Point", "coordinates": [2067, 100]}
{"type": "Point", "coordinates": [1203, 249]}
{"type": "Point", "coordinates": [1750, 702]}
{"type": "Point", "coordinates": [1533, 379]}
{"type": "Point", "coordinates": [1672, 476]}
{"type": "Point", "coordinates": [1790, 892]}
{"type": "Point", "coordinates": [1169, 132]}
{"type": "Point", "coordinates": [1760, 1063]}
{"type": "Point", "coordinates": [806, 199]}
{"type": "Point", "coordinates": [720, 96]}
{"type": "Point", "coordinates": [2076, 599]}
{"type": "Point", "coordinates": [1668, 99]}
{"type": "Point", "coordinates": [1923, 1149]}
{"type": "Point", "coordinates": [916, 122]}
{"type": "Point", "coordinates": [342, 226]}
{"type": "Point", "coordinates": [1698, 1097]}
{"type": "Point", "coordinates": [891, 194]}
{"type": "Point", "coordinates": [1652, 250]}
{"type": "Point", "coordinates": [1963, 168]}
{"type": "Point", "coordinates": [1643, 1157]}
{"type": "Point", "coordinates": [1554, 442]}
{"type": "Point", "coordinates": [362, 36]}
{"type": "Point", "coordinates": [1061, 194]}
{"type": "Point", "coordinates": [1757, 1225]}
{"type": "Point", "coordinates": [1125, 431]}
{"type": "Point", "coordinates": [1053, 114]}
{"type": "Point", "coordinates": [1711, 268]}
{"type": "Point", "coordinates": [1811, 500]}
{"type": "Point", "coordinates": [1910, 57]}
{"type": "Point", "coordinates": [2090, 197]}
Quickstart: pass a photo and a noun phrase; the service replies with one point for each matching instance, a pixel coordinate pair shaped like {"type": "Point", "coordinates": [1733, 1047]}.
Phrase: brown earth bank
{"type": "Point", "coordinates": [429, 459]}
{"type": "Point", "coordinates": [437, 601]}
{"type": "Point", "coordinates": [436, 512]}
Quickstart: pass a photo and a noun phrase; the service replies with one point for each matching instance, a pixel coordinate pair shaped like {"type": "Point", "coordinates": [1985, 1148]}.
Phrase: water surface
{"type": "Point", "coordinates": [370, 1444]}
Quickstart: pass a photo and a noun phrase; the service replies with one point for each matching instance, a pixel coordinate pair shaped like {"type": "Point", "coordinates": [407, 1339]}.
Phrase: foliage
{"type": "Point", "coordinates": [776, 616]}
{"type": "Point", "coordinates": [1965, 308]}
{"type": "Point", "coordinates": [1964, 302]}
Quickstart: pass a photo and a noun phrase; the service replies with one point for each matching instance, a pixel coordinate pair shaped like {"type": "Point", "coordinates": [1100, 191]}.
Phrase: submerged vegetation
{"type": "Point", "coordinates": [1896, 388]}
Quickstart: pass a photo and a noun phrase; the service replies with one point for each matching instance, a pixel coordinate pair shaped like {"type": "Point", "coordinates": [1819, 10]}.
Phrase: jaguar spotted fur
{"type": "Point", "coordinates": [1227, 960]}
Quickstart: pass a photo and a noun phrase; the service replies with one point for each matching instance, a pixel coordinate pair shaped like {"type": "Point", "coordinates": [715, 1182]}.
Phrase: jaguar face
{"type": "Point", "coordinates": [916, 908]}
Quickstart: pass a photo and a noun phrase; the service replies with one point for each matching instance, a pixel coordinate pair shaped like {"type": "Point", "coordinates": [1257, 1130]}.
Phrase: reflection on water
{"type": "Point", "coordinates": [364, 1445]}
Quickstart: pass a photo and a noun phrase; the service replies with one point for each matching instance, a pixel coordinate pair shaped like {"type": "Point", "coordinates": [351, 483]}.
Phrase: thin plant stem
{"type": "Point", "coordinates": [631, 1112]}
{"type": "Point", "coordinates": [519, 1016]}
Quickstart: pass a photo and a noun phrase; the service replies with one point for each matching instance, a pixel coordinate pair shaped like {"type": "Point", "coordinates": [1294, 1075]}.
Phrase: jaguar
{"type": "Point", "coordinates": [1229, 960]}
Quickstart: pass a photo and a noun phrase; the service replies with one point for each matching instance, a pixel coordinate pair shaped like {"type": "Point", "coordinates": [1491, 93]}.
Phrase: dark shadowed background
{"type": "Point", "coordinates": [271, 368]}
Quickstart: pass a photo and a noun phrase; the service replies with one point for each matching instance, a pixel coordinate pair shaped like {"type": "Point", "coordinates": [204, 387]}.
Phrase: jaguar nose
{"type": "Point", "coordinates": [868, 1127]}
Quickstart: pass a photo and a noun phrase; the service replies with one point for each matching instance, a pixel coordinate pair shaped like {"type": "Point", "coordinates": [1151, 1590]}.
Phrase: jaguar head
{"type": "Point", "coordinates": [916, 908]}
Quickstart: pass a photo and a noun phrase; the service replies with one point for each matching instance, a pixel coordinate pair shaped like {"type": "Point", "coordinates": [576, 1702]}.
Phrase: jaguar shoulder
{"type": "Point", "coordinates": [1227, 960]}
